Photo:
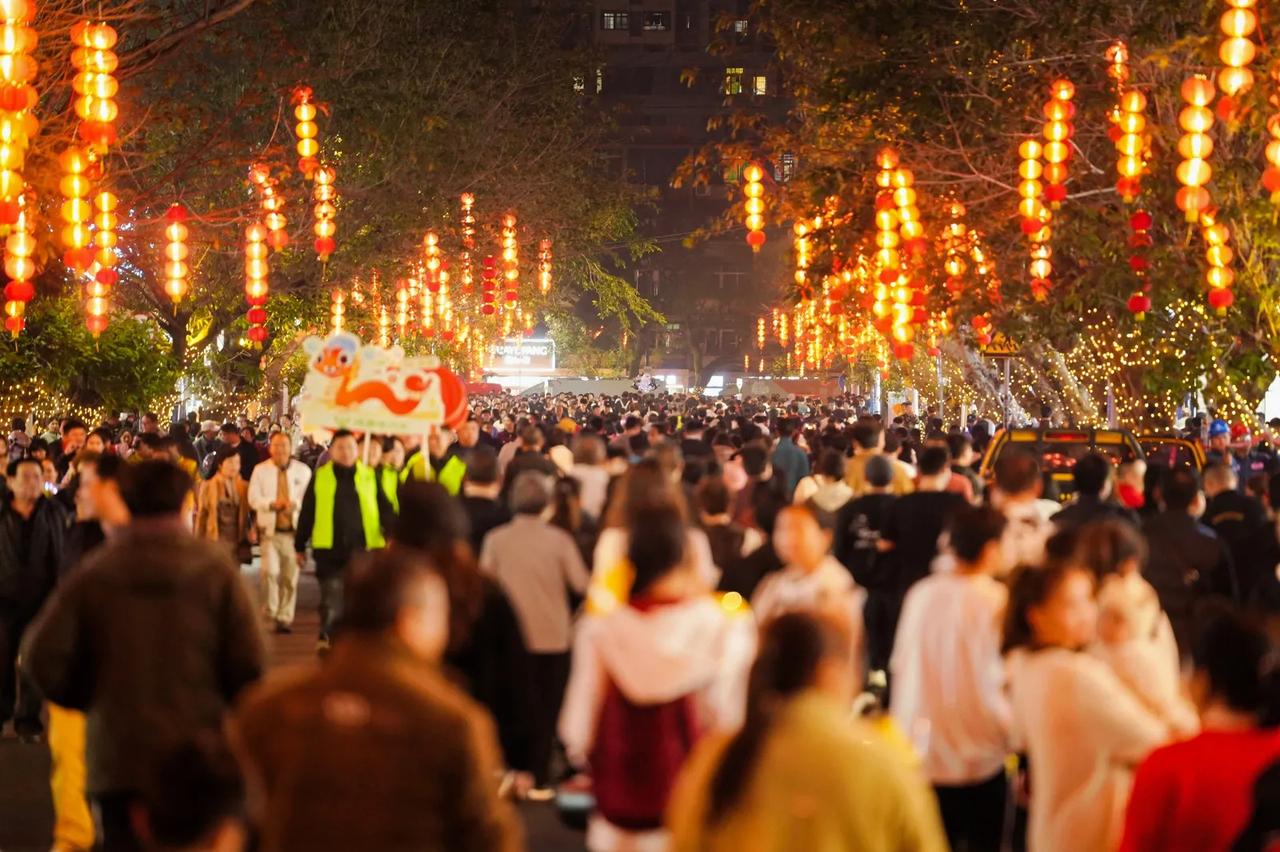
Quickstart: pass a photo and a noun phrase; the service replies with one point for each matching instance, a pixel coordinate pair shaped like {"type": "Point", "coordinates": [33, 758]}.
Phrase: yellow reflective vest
{"type": "Point", "coordinates": [450, 476]}
{"type": "Point", "coordinates": [326, 490]}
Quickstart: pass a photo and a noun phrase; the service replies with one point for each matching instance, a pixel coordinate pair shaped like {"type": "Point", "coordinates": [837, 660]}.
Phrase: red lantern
{"type": "Point", "coordinates": [753, 204]}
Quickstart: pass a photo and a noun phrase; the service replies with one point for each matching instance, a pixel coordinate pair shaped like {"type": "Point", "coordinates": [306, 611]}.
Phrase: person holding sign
{"type": "Point", "coordinates": [343, 512]}
{"type": "Point", "coordinates": [441, 464]}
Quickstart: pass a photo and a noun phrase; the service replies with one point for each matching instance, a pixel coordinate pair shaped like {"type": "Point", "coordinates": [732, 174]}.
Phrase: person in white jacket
{"type": "Point", "coordinates": [948, 680]}
{"type": "Point", "coordinates": [1080, 727]}
{"type": "Point", "coordinates": [276, 488]}
{"type": "Point", "coordinates": [648, 678]}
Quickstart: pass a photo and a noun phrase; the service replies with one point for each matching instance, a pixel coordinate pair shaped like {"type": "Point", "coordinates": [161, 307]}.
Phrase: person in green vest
{"type": "Point", "coordinates": [442, 464]}
{"type": "Point", "coordinates": [389, 470]}
{"type": "Point", "coordinates": [343, 513]}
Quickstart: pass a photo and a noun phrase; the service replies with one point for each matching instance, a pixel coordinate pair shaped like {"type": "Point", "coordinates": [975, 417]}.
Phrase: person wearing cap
{"type": "Point", "coordinates": [207, 441]}
{"type": "Point", "coordinates": [1219, 450]}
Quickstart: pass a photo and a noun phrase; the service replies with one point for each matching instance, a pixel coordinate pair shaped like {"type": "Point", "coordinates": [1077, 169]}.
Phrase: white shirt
{"type": "Point", "coordinates": [262, 490]}
{"type": "Point", "coordinates": [1083, 733]}
{"type": "Point", "coordinates": [948, 676]}
{"type": "Point", "coordinates": [1026, 530]}
{"type": "Point", "coordinates": [829, 588]}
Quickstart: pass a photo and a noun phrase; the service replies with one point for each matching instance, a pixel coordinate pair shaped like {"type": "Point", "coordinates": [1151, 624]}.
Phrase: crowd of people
{"type": "Point", "coordinates": [696, 624]}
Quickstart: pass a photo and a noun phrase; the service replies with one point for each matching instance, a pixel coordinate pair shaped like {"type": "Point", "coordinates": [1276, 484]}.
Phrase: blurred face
{"type": "Point", "coordinates": [343, 450]}
{"type": "Point", "coordinates": [1069, 618]}
{"type": "Point", "coordinates": [149, 424]}
{"type": "Point", "coordinates": [1218, 442]}
{"type": "Point", "coordinates": [280, 449]}
{"type": "Point", "coordinates": [468, 434]}
{"type": "Point", "coordinates": [800, 540]}
{"type": "Point", "coordinates": [247, 434]}
{"type": "Point", "coordinates": [375, 453]}
{"type": "Point", "coordinates": [94, 443]}
{"type": "Point", "coordinates": [232, 439]}
{"type": "Point", "coordinates": [230, 466]}
{"type": "Point", "coordinates": [438, 442]}
{"type": "Point", "coordinates": [50, 471]}
{"type": "Point", "coordinates": [126, 439]}
{"type": "Point", "coordinates": [394, 456]}
{"type": "Point", "coordinates": [263, 424]}
{"type": "Point", "coordinates": [27, 482]}
{"type": "Point", "coordinates": [423, 625]}
{"type": "Point", "coordinates": [73, 439]}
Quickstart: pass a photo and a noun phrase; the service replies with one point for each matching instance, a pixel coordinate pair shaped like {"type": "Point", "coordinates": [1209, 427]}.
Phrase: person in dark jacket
{"type": "Point", "coordinates": [375, 749]}
{"type": "Point", "coordinates": [790, 463]}
{"type": "Point", "coordinates": [746, 574]}
{"type": "Point", "coordinates": [528, 456]}
{"type": "Point", "coordinates": [486, 654]}
{"type": "Point", "coordinates": [859, 524]}
{"type": "Point", "coordinates": [343, 513]}
{"type": "Point", "coordinates": [912, 532]}
{"type": "Point", "coordinates": [1186, 561]}
{"type": "Point", "coordinates": [152, 638]}
{"type": "Point", "coordinates": [1235, 517]}
{"type": "Point", "coordinates": [480, 495]}
{"type": "Point", "coordinates": [1094, 480]}
{"type": "Point", "coordinates": [33, 531]}
{"type": "Point", "coordinates": [692, 443]}
{"type": "Point", "coordinates": [724, 536]}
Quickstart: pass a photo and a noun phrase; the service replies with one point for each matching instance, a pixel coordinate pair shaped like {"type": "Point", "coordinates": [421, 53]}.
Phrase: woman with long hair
{"type": "Point", "coordinates": [1201, 793]}
{"type": "Point", "coordinates": [1080, 727]}
{"type": "Point", "coordinates": [645, 486]}
{"type": "Point", "coordinates": [800, 773]}
{"type": "Point", "coordinates": [648, 678]}
{"type": "Point", "coordinates": [485, 652]}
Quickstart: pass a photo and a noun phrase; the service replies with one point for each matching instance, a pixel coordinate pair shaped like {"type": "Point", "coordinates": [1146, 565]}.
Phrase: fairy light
{"type": "Point", "coordinates": [175, 253]}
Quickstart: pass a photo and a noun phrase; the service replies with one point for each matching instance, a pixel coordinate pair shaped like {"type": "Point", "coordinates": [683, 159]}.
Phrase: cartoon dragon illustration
{"type": "Point", "coordinates": [337, 360]}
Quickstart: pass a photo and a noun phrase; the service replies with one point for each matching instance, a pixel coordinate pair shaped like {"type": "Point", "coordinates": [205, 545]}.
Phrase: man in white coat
{"type": "Point", "coordinates": [275, 494]}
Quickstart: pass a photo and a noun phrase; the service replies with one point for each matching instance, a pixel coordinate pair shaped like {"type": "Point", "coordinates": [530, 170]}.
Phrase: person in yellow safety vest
{"type": "Point", "coordinates": [389, 470]}
{"type": "Point", "coordinates": [343, 513]}
{"type": "Point", "coordinates": [441, 464]}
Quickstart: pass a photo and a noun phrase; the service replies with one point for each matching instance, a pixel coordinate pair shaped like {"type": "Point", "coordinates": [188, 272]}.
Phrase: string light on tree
{"type": "Point", "coordinates": [1196, 119]}
{"type": "Point", "coordinates": [175, 253]}
{"type": "Point", "coordinates": [753, 205]}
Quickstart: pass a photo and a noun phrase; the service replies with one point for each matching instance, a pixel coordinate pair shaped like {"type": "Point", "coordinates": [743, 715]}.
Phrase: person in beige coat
{"type": "Point", "coordinates": [222, 504]}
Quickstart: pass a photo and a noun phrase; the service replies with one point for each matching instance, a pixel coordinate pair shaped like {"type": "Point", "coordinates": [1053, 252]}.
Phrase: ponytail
{"type": "Point", "coordinates": [791, 647]}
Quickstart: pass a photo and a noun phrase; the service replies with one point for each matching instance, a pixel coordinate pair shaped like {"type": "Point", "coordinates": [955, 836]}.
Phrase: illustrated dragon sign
{"type": "Point", "coordinates": [351, 385]}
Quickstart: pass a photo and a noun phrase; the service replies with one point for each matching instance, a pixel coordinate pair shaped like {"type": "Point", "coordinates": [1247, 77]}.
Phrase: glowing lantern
{"type": "Point", "coordinates": [1271, 174]}
{"type": "Point", "coordinates": [272, 206]}
{"type": "Point", "coordinates": [94, 84]}
{"type": "Point", "coordinates": [304, 110]}
{"type": "Point", "coordinates": [1057, 132]}
{"type": "Point", "coordinates": [98, 289]}
{"type": "Point", "coordinates": [1219, 276]}
{"type": "Point", "coordinates": [76, 209]}
{"type": "Point", "coordinates": [17, 121]}
{"type": "Point", "coordinates": [1237, 51]}
{"type": "Point", "coordinates": [488, 278]}
{"type": "Point", "coordinates": [325, 211]}
{"type": "Point", "coordinates": [468, 241]}
{"type": "Point", "coordinates": [1194, 171]}
{"type": "Point", "coordinates": [337, 308]}
{"type": "Point", "coordinates": [1130, 143]}
{"type": "Point", "coordinates": [256, 272]}
{"type": "Point", "coordinates": [510, 259]}
{"type": "Point", "coordinates": [1140, 240]}
{"type": "Point", "coordinates": [433, 261]}
{"type": "Point", "coordinates": [18, 248]}
{"type": "Point", "coordinates": [753, 205]}
{"type": "Point", "coordinates": [544, 266]}
{"type": "Point", "coordinates": [175, 253]}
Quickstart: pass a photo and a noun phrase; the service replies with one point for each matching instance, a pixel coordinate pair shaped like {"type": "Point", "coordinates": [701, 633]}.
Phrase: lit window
{"type": "Point", "coordinates": [579, 83]}
{"type": "Point", "coordinates": [615, 20]}
{"type": "Point", "coordinates": [599, 80]}
{"type": "Point", "coordinates": [657, 21]}
{"type": "Point", "coordinates": [740, 27]}
{"type": "Point", "coordinates": [759, 85]}
{"type": "Point", "coordinates": [788, 170]}
{"type": "Point", "coordinates": [733, 81]}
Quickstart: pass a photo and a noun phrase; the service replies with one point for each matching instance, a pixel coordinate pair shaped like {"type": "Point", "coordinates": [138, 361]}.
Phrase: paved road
{"type": "Point", "coordinates": [26, 813]}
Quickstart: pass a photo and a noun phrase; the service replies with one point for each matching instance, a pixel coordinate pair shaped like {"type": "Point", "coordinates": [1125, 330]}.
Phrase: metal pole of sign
{"type": "Point", "coordinates": [874, 407]}
{"type": "Point", "coordinates": [1006, 393]}
{"type": "Point", "coordinates": [367, 436]}
{"type": "Point", "coordinates": [942, 402]}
